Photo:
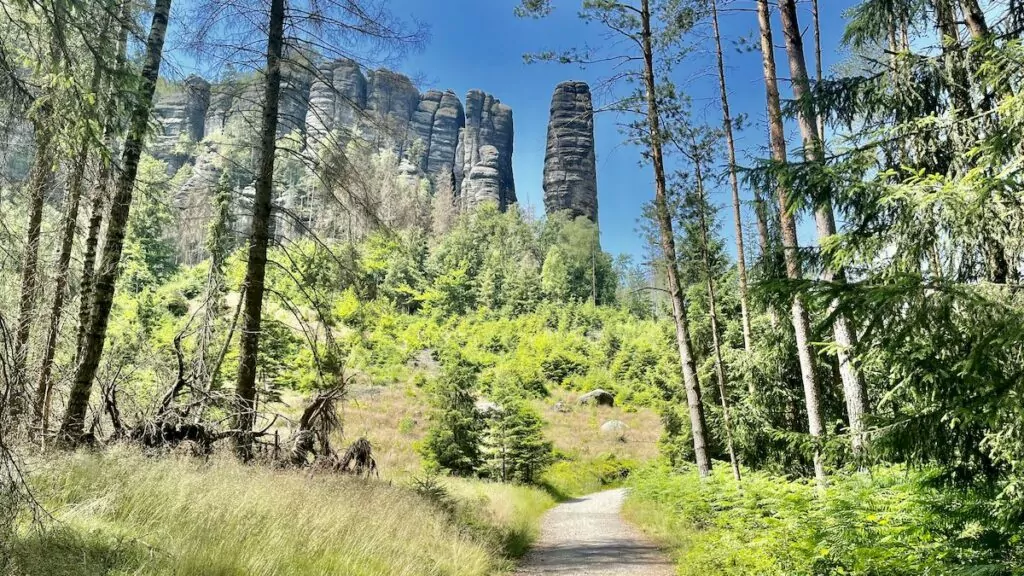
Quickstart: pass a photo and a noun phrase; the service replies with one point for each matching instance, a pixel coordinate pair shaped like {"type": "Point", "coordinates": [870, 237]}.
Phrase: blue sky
{"type": "Point", "coordinates": [480, 44]}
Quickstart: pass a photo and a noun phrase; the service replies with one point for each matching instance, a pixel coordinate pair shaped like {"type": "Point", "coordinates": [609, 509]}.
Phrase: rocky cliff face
{"type": "Point", "coordinates": [485, 149]}
{"type": "Point", "coordinates": [570, 169]}
{"type": "Point", "coordinates": [432, 131]}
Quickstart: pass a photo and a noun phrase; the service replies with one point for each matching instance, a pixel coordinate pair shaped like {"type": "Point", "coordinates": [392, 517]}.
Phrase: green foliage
{"type": "Point", "coordinates": [572, 476]}
{"type": "Point", "coordinates": [893, 521]}
{"type": "Point", "coordinates": [514, 444]}
{"type": "Point", "coordinates": [453, 438]}
{"type": "Point", "coordinates": [149, 255]}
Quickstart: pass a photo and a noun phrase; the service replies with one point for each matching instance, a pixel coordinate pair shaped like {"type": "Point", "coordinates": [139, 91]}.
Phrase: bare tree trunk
{"type": "Point", "coordinates": [668, 246]}
{"type": "Point", "coordinates": [42, 172]}
{"type": "Point", "coordinates": [853, 385]}
{"type": "Point", "coordinates": [106, 277]}
{"type": "Point", "coordinates": [245, 408]}
{"type": "Point", "coordinates": [818, 68]}
{"type": "Point", "coordinates": [42, 397]}
{"type": "Point", "coordinates": [741, 258]}
{"type": "Point", "coordinates": [790, 247]}
{"type": "Point", "coordinates": [713, 314]}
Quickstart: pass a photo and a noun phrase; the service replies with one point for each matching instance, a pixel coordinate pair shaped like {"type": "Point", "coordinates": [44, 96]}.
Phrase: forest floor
{"type": "Point", "coordinates": [587, 536]}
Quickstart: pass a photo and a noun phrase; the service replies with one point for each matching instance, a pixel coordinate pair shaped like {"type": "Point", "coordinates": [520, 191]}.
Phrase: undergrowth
{"type": "Point", "coordinates": [893, 521]}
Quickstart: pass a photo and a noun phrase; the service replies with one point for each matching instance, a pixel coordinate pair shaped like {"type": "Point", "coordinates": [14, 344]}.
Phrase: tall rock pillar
{"type": "Point", "coordinates": [570, 168]}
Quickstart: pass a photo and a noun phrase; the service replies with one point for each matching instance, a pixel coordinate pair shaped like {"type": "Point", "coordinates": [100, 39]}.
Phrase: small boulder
{"type": "Point", "coordinates": [614, 428]}
{"type": "Point", "coordinates": [597, 397]}
{"type": "Point", "coordinates": [561, 407]}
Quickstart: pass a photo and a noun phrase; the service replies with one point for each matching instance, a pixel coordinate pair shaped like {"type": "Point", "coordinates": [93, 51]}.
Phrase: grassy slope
{"type": "Point", "coordinates": [394, 419]}
{"type": "Point", "coordinates": [123, 513]}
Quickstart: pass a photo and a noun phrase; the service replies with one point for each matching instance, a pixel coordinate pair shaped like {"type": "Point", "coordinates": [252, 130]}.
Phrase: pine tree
{"type": "Point", "coordinates": [801, 323]}
{"type": "Point", "coordinates": [453, 441]}
{"type": "Point", "coordinates": [514, 443]}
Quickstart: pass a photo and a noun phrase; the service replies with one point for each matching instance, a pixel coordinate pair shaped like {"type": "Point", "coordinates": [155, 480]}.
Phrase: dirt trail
{"type": "Point", "coordinates": [587, 536]}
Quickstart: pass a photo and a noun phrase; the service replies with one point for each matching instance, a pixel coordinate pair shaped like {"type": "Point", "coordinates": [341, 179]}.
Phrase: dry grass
{"type": "Point", "coordinates": [124, 513]}
{"type": "Point", "coordinates": [578, 431]}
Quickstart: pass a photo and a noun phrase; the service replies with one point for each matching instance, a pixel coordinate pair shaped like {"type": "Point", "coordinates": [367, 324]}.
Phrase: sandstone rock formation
{"type": "Point", "coordinates": [570, 169]}
{"type": "Point", "coordinates": [467, 150]}
{"type": "Point", "coordinates": [181, 114]}
{"type": "Point", "coordinates": [597, 397]}
{"type": "Point", "coordinates": [485, 148]}
{"type": "Point", "coordinates": [431, 131]}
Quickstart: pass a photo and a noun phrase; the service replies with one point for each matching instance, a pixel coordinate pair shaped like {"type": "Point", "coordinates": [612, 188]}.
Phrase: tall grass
{"type": "Point", "coordinates": [124, 513]}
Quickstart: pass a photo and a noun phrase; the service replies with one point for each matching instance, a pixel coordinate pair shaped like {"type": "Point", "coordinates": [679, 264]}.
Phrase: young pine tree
{"type": "Point", "coordinates": [454, 437]}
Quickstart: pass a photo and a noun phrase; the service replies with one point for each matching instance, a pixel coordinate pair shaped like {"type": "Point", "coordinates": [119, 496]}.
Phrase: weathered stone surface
{"type": "Point", "coordinates": [436, 124]}
{"type": "Point", "coordinates": [337, 99]}
{"type": "Point", "coordinates": [598, 397]}
{"type": "Point", "coordinates": [614, 428]}
{"type": "Point", "coordinates": [467, 149]}
{"type": "Point", "coordinates": [194, 201]}
{"type": "Point", "coordinates": [181, 115]}
{"type": "Point", "coordinates": [295, 87]}
{"type": "Point", "coordinates": [197, 102]}
{"type": "Point", "coordinates": [488, 124]}
{"type": "Point", "coordinates": [570, 169]}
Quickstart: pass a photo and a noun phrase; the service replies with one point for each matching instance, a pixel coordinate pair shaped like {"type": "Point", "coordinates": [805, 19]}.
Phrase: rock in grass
{"type": "Point", "coordinates": [597, 397]}
{"type": "Point", "coordinates": [614, 428]}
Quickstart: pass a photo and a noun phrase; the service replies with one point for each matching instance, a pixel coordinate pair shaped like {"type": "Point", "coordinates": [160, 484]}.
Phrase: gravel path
{"type": "Point", "coordinates": [587, 536]}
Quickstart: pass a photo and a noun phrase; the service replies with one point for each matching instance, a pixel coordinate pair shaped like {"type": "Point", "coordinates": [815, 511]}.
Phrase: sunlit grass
{"type": "Point", "coordinates": [123, 513]}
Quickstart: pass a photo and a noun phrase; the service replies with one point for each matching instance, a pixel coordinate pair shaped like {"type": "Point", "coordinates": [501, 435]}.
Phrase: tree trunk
{"type": "Point", "coordinates": [106, 278]}
{"type": "Point", "coordinates": [99, 192]}
{"type": "Point", "coordinates": [819, 69]}
{"type": "Point", "coordinates": [42, 171]}
{"type": "Point", "coordinates": [713, 315]}
{"type": "Point", "coordinates": [42, 399]}
{"type": "Point", "coordinates": [741, 259]}
{"type": "Point", "coordinates": [845, 337]}
{"type": "Point", "coordinates": [790, 247]}
{"type": "Point", "coordinates": [975, 18]}
{"type": "Point", "coordinates": [693, 396]}
{"type": "Point", "coordinates": [245, 416]}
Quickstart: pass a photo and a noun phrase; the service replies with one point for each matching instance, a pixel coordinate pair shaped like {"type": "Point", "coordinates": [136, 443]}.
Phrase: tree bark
{"type": "Point", "coordinates": [42, 397]}
{"type": "Point", "coordinates": [245, 408]}
{"type": "Point", "coordinates": [845, 337]}
{"type": "Point", "coordinates": [975, 18]}
{"type": "Point", "coordinates": [790, 246]}
{"type": "Point", "coordinates": [693, 394]}
{"type": "Point", "coordinates": [741, 259]}
{"type": "Point", "coordinates": [106, 278]}
{"type": "Point", "coordinates": [99, 191]}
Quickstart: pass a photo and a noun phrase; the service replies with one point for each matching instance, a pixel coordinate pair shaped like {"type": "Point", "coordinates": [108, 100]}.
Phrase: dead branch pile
{"type": "Point", "coordinates": [318, 421]}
